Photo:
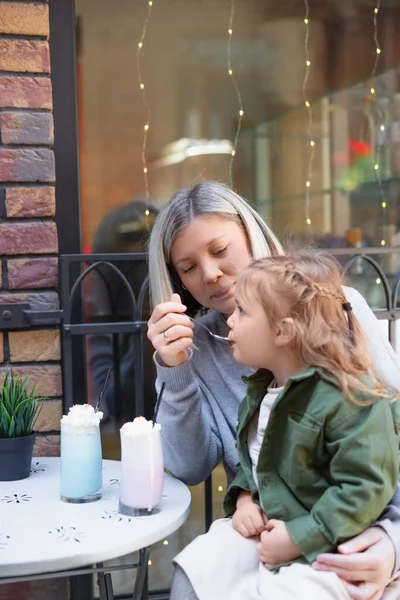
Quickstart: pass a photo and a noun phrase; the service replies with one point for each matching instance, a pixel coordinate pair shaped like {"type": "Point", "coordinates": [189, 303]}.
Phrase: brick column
{"type": "Point", "coordinates": [28, 235]}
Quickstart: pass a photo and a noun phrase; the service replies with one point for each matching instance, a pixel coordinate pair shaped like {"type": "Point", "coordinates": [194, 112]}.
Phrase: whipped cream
{"type": "Point", "coordinates": [139, 426]}
{"type": "Point", "coordinates": [82, 416]}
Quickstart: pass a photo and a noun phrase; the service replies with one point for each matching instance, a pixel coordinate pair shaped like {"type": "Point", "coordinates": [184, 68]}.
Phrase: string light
{"type": "Point", "coordinates": [309, 112]}
{"type": "Point", "coordinates": [378, 138]}
{"type": "Point", "coordinates": [220, 488]}
{"type": "Point", "coordinates": [145, 103]}
{"type": "Point", "coordinates": [165, 542]}
{"type": "Point", "coordinates": [238, 94]}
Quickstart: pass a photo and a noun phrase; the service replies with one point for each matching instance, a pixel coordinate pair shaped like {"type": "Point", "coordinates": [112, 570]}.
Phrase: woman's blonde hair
{"type": "Point", "coordinates": [203, 199]}
{"type": "Point", "coordinates": [306, 287]}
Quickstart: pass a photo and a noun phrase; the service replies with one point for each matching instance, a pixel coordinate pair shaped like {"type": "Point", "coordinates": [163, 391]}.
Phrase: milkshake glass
{"type": "Point", "coordinates": [81, 457]}
{"type": "Point", "coordinates": [142, 468]}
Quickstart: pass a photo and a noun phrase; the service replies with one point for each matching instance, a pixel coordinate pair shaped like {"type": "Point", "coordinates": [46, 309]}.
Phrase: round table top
{"type": "Point", "coordinates": [39, 533]}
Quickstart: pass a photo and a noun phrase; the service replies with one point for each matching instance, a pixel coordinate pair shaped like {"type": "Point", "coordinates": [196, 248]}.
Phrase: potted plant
{"type": "Point", "coordinates": [19, 409]}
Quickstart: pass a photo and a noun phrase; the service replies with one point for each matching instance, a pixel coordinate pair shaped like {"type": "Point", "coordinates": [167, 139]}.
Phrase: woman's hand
{"type": "Point", "coordinates": [248, 519]}
{"type": "Point", "coordinates": [365, 564]}
{"type": "Point", "coordinates": [171, 331]}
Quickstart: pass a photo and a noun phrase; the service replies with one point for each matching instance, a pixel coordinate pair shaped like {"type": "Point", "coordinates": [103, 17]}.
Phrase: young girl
{"type": "Point", "coordinates": [317, 439]}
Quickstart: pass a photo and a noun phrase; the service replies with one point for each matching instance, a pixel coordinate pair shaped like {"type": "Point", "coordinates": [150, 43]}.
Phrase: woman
{"type": "Point", "coordinates": [201, 241]}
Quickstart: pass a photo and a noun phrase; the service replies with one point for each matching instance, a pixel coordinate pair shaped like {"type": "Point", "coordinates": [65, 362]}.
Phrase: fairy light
{"type": "Point", "coordinates": [220, 488]}
{"type": "Point", "coordinates": [165, 542]}
{"type": "Point", "coordinates": [378, 138]}
{"type": "Point", "coordinates": [307, 104]}
{"type": "Point", "coordinates": [238, 93]}
{"type": "Point", "coordinates": [145, 103]}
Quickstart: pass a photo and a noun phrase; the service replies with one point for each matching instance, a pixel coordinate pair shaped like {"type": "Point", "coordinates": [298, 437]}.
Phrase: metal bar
{"type": "Point", "coordinates": [208, 508]}
{"type": "Point", "coordinates": [105, 584]}
{"type": "Point", "coordinates": [140, 590]}
{"type": "Point", "coordinates": [386, 314]}
{"type": "Point", "coordinates": [145, 593]}
{"type": "Point", "coordinates": [360, 251]}
{"type": "Point", "coordinates": [91, 328]}
{"type": "Point", "coordinates": [66, 152]}
{"type": "Point", "coordinates": [109, 587]}
{"type": "Point", "coordinates": [117, 377]}
{"type": "Point", "coordinates": [123, 256]}
{"type": "Point", "coordinates": [140, 256]}
{"type": "Point", "coordinates": [66, 340]}
{"type": "Point", "coordinates": [138, 370]}
{"type": "Point", "coordinates": [101, 582]}
{"type": "Point", "coordinates": [392, 332]}
{"type": "Point", "coordinates": [139, 306]}
{"type": "Point", "coordinates": [95, 266]}
{"type": "Point", "coordinates": [81, 587]}
{"type": "Point", "coordinates": [67, 573]}
{"type": "Point", "coordinates": [34, 315]}
{"type": "Point", "coordinates": [66, 143]}
{"type": "Point", "coordinates": [380, 272]}
{"type": "Point", "coordinates": [152, 595]}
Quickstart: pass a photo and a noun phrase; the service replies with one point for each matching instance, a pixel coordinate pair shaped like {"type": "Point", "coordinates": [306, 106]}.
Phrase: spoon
{"type": "Point", "coordinates": [220, 338]}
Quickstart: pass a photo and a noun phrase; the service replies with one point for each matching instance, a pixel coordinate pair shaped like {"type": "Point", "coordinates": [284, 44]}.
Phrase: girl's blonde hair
{"type": "Point", "coordinates": [306, 287]}
{"type": "Point", "coordinates": [201, 200]}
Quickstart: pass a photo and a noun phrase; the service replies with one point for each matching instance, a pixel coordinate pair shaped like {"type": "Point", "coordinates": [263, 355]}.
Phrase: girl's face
{"type": "Point", "coordinates": [252, 337]}
{"type": "Point", "coordinates": [208, 256]}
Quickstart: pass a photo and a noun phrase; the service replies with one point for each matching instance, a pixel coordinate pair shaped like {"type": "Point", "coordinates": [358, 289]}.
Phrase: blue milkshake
{"type": "Point", "coordinates": [81, 457]}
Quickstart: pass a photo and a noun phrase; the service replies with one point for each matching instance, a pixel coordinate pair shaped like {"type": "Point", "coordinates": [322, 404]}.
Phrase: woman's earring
{"type": "Point", "coordinates": [184, 286]}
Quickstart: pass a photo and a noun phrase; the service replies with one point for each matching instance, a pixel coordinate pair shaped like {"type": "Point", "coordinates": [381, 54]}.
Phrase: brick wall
{"type": "Point", "coordinates": [28, 235]}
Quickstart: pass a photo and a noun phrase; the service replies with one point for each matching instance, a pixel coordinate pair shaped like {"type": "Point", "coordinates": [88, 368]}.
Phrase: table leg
{"type": "Point", "coordinates": [105, 584]}
{"type": "Point", "coordinates": [140, 591]}
{"type": "Point", "coordinates": [109, 586]}
{"type": "Point", "coordinates": [81, 587]}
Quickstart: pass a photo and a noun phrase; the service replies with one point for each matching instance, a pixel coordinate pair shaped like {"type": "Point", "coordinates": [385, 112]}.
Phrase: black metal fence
{"type": "Point", "coordinates": [112, 323]}
{"type": "Point", "coordinates": [375, 267]}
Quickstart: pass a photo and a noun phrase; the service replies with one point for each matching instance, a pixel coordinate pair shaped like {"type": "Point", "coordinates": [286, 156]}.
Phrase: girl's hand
{"type": "Point", "coordinates": [365, 564]}
{"type": "Point", "coordinates": [248, 519]}
{"type": "Point", "coordinates": [276, 545]}
{"type": "Point", "coordinates": [171, 331]}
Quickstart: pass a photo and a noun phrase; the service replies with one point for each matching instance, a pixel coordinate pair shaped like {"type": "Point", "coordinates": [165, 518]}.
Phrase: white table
{"type": "Point", "coordinates": [42, 537]}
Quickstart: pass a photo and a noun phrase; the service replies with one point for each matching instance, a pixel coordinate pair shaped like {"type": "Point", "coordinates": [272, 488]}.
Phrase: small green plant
{"type": "Point", "coordinates": [19, 407]}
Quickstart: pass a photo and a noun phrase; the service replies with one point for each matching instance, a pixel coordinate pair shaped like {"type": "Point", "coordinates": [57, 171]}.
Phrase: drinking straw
{"type": "Point", "coordinates": [158, 401]}
{"type": "Point", "coordinates": [99, 401]}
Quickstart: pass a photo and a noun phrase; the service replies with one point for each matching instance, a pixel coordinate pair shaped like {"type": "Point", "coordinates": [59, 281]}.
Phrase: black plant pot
{"type": "Point", "coordinates": [16, 457]}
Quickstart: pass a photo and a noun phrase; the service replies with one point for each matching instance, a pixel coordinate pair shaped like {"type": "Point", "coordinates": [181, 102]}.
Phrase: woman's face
{"type": "Point", "coordinates": [208, 256]}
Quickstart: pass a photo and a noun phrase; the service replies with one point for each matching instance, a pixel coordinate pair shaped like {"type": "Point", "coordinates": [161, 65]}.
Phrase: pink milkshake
{"type": "Point", "coordinates": [142, 468]}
